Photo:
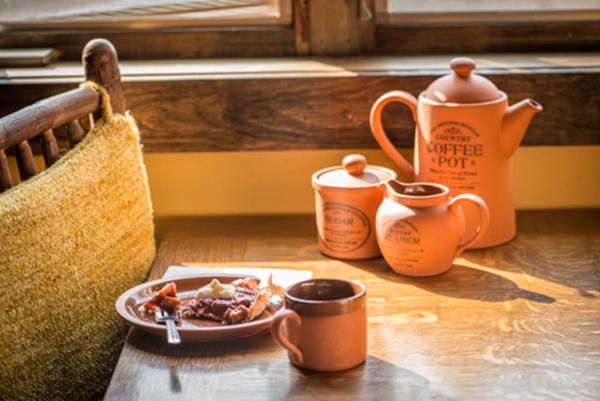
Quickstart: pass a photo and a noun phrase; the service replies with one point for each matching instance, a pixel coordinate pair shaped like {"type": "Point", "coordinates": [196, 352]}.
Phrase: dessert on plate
{"type": "Point", "coordinates": [242, 300]}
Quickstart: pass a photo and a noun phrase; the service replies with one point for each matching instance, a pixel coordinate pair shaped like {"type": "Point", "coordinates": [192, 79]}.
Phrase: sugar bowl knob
{"type": "Point", "coordinates": [355, 164]}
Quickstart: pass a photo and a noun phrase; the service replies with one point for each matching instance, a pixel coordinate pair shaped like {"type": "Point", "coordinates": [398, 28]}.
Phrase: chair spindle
{"type": "Point", "coordinates": [76, 132]}
{"type": "Point", "coordinates": [5, 177]}
{"type": "Point", "coordinates": [25, 160]}
{"type": "Point", "coordinates": [49, 147]}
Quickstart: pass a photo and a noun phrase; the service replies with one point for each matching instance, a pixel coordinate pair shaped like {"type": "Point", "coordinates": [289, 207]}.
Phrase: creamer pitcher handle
{"type": "Point", "coordinates": [484, 219]}
{"type": "Point", "coordinates": [278, 320]}
{"type": "Point", "coordinates": [379, 133]}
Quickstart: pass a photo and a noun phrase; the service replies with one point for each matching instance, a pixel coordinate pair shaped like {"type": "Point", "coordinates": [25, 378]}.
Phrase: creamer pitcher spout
{"type": "Point", "coordinates": [514, 124]}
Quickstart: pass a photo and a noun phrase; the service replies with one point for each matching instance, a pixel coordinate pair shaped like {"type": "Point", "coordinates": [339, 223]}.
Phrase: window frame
{"type": "Point", "coordinates": [323, 28]}
{"type": "Point", "coordinates": [283, 8]}
{"type": "Point", "coordinates": [165, 39]}
{"type": "Point", "coordinates": [384, 17]}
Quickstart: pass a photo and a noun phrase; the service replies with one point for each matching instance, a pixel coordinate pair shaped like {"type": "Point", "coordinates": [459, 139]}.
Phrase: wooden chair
{"type": "Point", "coordinates": [36, 122]}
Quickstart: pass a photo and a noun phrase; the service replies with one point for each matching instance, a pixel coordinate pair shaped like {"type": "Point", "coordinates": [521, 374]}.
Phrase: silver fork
{"type": "Point", "coordinates": [170, 318]}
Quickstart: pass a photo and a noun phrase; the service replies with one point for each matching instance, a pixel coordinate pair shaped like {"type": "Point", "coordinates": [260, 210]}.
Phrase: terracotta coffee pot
{"type": "Point", "coordinates": [465, 137]}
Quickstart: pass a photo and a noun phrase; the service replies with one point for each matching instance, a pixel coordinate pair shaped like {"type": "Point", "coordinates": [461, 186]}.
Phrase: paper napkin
{"type": "Point", "coordinates": [281, 277]}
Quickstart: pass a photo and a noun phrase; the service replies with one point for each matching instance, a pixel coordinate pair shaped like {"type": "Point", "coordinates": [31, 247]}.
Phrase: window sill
{"type": "Point", "coordinates": [293, 103]}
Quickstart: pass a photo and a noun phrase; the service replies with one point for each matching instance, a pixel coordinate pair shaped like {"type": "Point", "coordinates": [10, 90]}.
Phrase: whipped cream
{"type": "Point", "coordinates": [215, 289]}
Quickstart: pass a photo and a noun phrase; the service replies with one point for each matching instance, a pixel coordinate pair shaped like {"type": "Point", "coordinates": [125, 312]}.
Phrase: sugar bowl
{"type": "Point", "coordinates": [347, 198]}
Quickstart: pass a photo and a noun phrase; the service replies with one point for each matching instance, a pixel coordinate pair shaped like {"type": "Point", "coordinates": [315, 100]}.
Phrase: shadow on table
{"type": "Point", "coordinates": [190, 370]}
{"type": "Point", "coordinates": [561, 246]}
{"type": "Point", "coordinates": [577, 271]}
{"type": "Point", "coordinates": [376, 379]}
{"type": "Point", "coordinates": [197, 356]}
{"type": "Point", "coordinates": [459, 282]}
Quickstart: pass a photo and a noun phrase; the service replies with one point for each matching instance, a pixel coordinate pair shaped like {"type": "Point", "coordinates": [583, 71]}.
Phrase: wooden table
{"type": "Point", "coordinates": [520, 321]}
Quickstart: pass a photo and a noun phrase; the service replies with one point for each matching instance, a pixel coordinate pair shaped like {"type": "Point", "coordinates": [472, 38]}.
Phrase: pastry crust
{"type": "Point", "coordinates": [250, 300]}
{"type": "Point", "coordinates": [266, 290]}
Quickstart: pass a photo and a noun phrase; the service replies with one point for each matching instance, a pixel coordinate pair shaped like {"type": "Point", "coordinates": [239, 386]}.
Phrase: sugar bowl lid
{"type": "Point", "coordinates": [354, 173]}
{"type": "Point", "coordinates": [462, 85]}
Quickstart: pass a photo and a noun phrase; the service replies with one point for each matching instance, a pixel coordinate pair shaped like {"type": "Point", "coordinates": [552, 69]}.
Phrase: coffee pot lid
{"type": "Point", "coordinates": [354, 173]}
{"type": "Point", "coordinates": [462, 85]}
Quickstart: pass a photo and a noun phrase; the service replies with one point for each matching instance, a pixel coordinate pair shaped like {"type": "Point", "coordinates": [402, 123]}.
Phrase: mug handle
{"type": "Point", "coordinates": [276, 330]}
{"type": "Point", "coordinates": [379, 133]}
{"type": "Point", "coordinates": [484, 219]}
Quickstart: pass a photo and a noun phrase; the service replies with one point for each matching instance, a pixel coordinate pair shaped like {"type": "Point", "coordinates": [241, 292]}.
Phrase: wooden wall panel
{"type": "Point", "coordinates": [320, 112]}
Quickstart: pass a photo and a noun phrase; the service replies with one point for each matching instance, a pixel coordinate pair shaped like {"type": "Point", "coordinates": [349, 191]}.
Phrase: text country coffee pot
{"type": "Point", "coordinates": [465, 137]}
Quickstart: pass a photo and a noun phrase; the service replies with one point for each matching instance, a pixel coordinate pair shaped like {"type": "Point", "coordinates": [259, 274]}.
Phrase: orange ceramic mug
{"type": "Point", "coordinates": [324, 324]}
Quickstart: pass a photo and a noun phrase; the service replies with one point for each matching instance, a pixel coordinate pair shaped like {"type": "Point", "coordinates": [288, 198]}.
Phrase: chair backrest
{"type": "Point", "coordinates": [38, 120]}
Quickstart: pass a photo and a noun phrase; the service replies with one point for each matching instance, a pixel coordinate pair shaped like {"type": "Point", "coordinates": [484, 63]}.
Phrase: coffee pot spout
{"type": "Point", "coordinates": [514, 124]}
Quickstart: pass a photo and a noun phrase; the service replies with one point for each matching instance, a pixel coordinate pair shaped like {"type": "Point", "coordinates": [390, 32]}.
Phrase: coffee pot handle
{"type": "Point", "coordinates": [276, 330]}
{"type": "Point", "coordinates": [379, 133]}
{"type": "Point", "coordinates": [484, 219]}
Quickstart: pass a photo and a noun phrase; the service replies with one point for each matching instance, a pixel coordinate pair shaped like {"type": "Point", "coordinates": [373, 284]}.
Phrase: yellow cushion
{"type": "Point", "coordinates": [72, 239]}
